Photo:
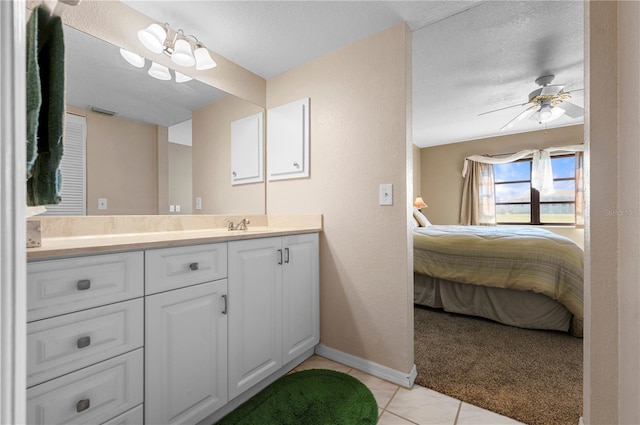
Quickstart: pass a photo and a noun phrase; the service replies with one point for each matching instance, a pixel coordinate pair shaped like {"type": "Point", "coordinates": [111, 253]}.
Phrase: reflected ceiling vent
{"type": "Point", "coordinates": [102, 111]}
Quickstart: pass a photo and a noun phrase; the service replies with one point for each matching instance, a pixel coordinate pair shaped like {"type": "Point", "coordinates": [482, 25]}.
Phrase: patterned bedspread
{"type": "Point", "coordinates": [522, 258]}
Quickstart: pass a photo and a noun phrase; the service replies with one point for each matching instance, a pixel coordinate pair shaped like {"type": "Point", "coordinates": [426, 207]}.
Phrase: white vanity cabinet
{"type": "Point", "coordinates": [186, 333]}
{"type": "Point", "coordinates": [84, 338]}
{"type": "Point", "coordinates": [167, 335]}
{"type": "Point", "coordinates": [273, 305]}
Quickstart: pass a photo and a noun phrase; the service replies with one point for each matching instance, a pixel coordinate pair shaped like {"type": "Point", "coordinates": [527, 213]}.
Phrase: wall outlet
{"type": "Point", "coordinates": [386, 194]}
{"type": "Point", "coordinates": [177, 208]}
{"type": "Point", "coordinates": [198, 203]}
{"type": "Point", "coordinates": [102, 203]}
{"type": "Point", "coordinates": [172, 208]}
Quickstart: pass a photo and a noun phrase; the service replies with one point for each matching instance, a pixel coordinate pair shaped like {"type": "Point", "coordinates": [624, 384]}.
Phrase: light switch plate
{"type": "Point", "coordinates": [386, 194]}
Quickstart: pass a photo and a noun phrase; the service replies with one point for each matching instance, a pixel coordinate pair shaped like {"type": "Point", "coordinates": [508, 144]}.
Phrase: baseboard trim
{"type": "Point", "coordinates": [372, 368]}
{"type": "Point", "coordinates": [581, 421]}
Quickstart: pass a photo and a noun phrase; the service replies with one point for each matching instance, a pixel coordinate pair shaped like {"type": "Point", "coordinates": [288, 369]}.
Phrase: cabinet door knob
{"type": "Point", "coordinates": [85, 341]}
{"type": "Point", "coordinates": [83, 284]}
{"type": "Point", "coordinates": [193, 266]}
{"type": "Point", "coordinates": [83, 405]}
{"type": "Point", "coordinates": [225, 311]}
{"type": "Point", "coordinates": [295, 164]}
{"type": "Point", "coordinates": [234, 174]}
{"type": "Point", "coordinates": [286, 255]}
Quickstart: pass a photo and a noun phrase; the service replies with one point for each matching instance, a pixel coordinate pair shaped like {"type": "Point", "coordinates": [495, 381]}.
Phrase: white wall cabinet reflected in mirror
{"type": "Point", "coordinates": [288, 141]}
{"type": "Point", "coordinates": [247, 150]}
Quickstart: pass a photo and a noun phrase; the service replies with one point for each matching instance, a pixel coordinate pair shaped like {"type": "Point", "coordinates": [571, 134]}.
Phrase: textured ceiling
{"type": "Point", "coordinates": [469, 57]}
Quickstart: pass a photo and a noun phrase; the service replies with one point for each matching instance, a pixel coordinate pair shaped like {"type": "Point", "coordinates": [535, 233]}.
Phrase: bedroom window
{"type": "Point", "coordinates": [518, 203]}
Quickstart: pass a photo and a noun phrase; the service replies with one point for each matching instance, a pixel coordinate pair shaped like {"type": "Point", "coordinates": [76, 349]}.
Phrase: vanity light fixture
{"type": "Point", "coordinates": [160, 72]}
{"type": "Point", "coordinates": [184, 50]}
{"type": "Point", "coordinates": [132, 58]}
{"type": "Point", "coordinates": [181, 78]}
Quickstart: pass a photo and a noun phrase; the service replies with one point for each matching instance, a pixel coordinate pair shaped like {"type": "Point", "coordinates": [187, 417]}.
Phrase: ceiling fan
{"type": "Point", "coordinates": [547, 103]}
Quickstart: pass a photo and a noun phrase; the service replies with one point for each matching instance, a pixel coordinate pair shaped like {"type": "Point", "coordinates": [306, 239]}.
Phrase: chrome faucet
{"type": "Point", "coordinates": [240, 226]}
{"type": "Point", "coordinates": [243, 224]}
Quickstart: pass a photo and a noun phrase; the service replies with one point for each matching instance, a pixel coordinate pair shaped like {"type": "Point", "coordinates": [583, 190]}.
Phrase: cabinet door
{"type": "Point", "coordinates": [185, 354]}
{"type": "Point", "coordinates": [255, 309]}
{"type": "Point", "coordinates": [247, 141]}
{"type": "Point", "coordinates": [288, 136]}
{"type": "Point", "coordinates": [300, 295]}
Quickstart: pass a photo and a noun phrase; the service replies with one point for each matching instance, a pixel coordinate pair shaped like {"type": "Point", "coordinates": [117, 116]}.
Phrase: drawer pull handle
{"type": "Point", "coordinates": [85, 341]}
{"type": "Point", "coordinates": [225, 311]}
{"type": "Point", "coordinates": [83, 405]}
{"type": "Point", "coordinates": [83, 284]}
{"type": "Point", "coordinates": [193, 266]}
{"type": "Point", "coordinates": [286, 255]}
{"type": "Point", "coordinates": [279, 256]}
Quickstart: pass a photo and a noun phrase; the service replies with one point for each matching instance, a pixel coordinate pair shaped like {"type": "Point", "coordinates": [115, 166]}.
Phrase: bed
{"type": "Point", "coordinates": [520, 276]}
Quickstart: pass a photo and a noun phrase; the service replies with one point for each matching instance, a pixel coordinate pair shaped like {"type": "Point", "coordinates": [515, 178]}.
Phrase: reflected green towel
{"type": "Point", "coordinates": [43, 186]}
{"type": "Point", "coordinates": [34, 98]}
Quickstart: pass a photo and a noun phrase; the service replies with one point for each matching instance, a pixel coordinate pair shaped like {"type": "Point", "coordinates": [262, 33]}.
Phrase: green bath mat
{"type": "Point", "coordinates": [309, 397]}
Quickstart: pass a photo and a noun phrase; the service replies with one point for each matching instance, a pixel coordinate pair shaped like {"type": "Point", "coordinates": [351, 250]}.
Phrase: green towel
{"type": "Point", "coordinates": [43, 186]}
{"type": "Point", "coordinates": [34, 98]}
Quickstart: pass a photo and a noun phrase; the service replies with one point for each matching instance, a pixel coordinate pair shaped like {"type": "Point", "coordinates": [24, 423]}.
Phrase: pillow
{"type": "Point", "coordinates": [422, 220]}
{"type": "Point", "coordinates": [414, 223]}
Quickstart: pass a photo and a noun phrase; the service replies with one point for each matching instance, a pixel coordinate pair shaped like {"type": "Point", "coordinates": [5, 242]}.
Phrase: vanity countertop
{"type": "Point", "coordinates": [63, 246]}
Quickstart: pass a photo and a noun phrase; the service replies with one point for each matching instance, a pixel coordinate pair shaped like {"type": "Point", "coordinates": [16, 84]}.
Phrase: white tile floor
{"type": "Point", "coordinates": [417, 406]}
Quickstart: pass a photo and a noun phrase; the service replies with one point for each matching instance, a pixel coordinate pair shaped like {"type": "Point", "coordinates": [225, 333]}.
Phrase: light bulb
{"type": "Point", "coordinates": [181, 78]}
{"type": "Point", "coordinates": [545, 113]}
{"type": "Point", "coordinates": [132, 58]}
{"type": "Point", "coordinates": [160, 72]}
{"type": "Point", "coordinates": [153, 37]}
{"type": "Point", "coordinates": [182, 53]}
{"type": "Point", "coordinates": [203, 59]}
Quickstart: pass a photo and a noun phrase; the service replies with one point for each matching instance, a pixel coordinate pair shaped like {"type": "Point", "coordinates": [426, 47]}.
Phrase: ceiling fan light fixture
{"type": "Point", "coordinates": [545, 114]}
{"type": "Point", "coordinates": [548, 113]}
{"type": "Point", "coordinates": [153, 37]}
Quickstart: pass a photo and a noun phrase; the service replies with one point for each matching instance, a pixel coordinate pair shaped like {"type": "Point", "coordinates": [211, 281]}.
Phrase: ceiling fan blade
{"type": "Point", "coordinates": [524, 114]}
{"type": "Point", "coordinates": [573, 111]}
{"type": "Point", "coordinates": [501, 109]}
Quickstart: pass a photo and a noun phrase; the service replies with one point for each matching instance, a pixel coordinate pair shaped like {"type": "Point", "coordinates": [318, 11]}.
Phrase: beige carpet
{"type": "Point", "coordinates": [532, 376]}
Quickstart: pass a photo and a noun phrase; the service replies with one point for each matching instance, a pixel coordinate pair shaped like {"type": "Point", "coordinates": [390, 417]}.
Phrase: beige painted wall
{"type": "Point", "coordinates": [180, 177]}
{"type": "Point", "coordinates": [358, 141]}
{"type": "Point", "coordinates": [612, 341]}
{"type": "Point", "coordinates": [211, 127]}
{"type": "Point", "coordinates": [121, 164]}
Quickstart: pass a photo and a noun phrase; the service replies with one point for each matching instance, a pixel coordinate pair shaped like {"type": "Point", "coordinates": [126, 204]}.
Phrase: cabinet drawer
{"type": "Point", "coordinates": [132, 417]}
{"type": "Point", "coordinates": [66, 343]}
{"type": "Point", "coordinates": [63, 286]}
{"type": "Point", "coordinates": [172, 268]}
{"type": "Point", "coordinates": [92, 395]}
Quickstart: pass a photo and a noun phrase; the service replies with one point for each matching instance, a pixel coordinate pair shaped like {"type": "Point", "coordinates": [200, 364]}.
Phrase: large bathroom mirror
{"type": "Point", "coordinates": [153, 146]}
